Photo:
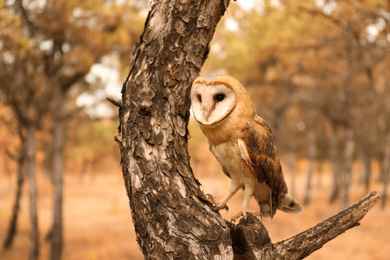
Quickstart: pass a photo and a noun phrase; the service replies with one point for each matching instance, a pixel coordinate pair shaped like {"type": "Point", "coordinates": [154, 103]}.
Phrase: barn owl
{"type": "Point", "coordinates": [243, 145]}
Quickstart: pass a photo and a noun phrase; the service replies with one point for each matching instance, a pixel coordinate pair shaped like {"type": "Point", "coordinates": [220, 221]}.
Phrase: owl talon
{"type": "Point", "coordinates": [216, 205]}
{"type": "Point", "coordinates": [210, 198]}
{"type": "Point", "coordinates": [219, 207]}
{"type": "Point", "coordinates": [235, 217]}
{"type": "Point", "coordinates": [256, 214]}
{"type": "Point", "coordinates": [244, 215]}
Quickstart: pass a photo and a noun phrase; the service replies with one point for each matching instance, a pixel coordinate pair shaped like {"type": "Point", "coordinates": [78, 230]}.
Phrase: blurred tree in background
{"type": "Point", "coordinates": [46, 50]}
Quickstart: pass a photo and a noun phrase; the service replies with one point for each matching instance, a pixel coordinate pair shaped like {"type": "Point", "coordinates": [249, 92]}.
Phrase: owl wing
{"type": "Point", "coordinates": [258, 148]}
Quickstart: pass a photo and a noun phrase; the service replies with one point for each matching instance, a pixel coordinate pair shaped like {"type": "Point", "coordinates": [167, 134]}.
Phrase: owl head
{"type": "Point", "coordinates": [215, 99]}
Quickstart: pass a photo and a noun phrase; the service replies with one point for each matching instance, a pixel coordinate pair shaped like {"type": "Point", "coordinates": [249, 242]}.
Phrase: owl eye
{"type": "Point", "coordinates": [219, 97]}
{"type": "Point", "coordinates": [199, 98]}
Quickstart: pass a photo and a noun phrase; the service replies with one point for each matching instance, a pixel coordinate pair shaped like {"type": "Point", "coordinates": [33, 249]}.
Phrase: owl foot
{"type": "Point", "coordinates": [216, 205]}
{"type": "Point", "coordinates": [210, 198]}
{"type": "Point", "coordinates": [244, 215]}
{"type": "Point", "coordinates": [219, 205]}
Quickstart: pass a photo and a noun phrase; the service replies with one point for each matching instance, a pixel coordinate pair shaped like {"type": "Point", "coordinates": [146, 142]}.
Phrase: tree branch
{"type": "Point", "coordinates": [25, 16]}
{"type": "Point", "coordinates": [251, 240]}
{"type": "Point", "coordinates": [115, 102]}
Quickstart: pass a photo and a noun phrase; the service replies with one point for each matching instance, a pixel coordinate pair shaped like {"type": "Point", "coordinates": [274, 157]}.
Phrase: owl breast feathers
{"type": "Point", "coordinates": [243, 144]}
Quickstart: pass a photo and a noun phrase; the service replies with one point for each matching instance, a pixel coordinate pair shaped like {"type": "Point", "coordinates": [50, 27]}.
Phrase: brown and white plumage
{"type": "Point", "coordinates": [243, 144]}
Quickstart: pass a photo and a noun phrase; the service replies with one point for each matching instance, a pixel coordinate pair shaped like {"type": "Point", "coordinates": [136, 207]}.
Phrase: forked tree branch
{"type": "Point", "coordinates": [251, 240]}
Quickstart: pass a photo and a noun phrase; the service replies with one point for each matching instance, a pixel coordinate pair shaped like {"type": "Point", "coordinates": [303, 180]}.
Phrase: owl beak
{"type": "Point", "coordinates": [207, 110]}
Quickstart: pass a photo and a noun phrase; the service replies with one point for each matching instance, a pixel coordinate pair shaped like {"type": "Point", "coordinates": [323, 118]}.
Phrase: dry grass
{"type": "Point", "coordinates": [98, 223]}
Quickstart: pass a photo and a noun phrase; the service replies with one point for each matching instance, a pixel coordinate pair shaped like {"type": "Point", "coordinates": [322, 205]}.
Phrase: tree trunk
{"type": "Point", "coordinates": [171, 216]}
{"type": "Point", "coordinates": [12, 228]}
{"type": "Point", "coordinates": [312, 150]}
{"type": "Point", "coordinates": [56, 233]}
{"type": "Point", "coordinates": [292, 159]}
{"type": "Point", "coordinates": [31, 167]}
{"type": "Point", "coordinates": [386, 171]}
{"type": "Point", "coordinates": [334, 156]}
{"type": "Point", "coordinates": [348, 157]}
{"type": "Point", "coordinates": [367, 171]}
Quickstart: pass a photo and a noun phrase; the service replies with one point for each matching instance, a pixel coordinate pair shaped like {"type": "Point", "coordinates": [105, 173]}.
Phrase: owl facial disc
{"type": "Point", "coordinates": [211, 103]}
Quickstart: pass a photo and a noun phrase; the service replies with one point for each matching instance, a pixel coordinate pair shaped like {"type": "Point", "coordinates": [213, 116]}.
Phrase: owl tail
{"type": "Point", "coordinates": [265, 210]}
{"type": "Point", "coordinates": [290, 205]}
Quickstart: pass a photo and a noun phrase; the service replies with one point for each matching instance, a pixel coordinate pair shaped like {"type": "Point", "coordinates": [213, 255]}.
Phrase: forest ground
{"type": "Point", "coordinates": [98, 223]}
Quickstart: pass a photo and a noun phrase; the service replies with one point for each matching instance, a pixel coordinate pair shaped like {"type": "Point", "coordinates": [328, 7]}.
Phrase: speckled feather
{"type": "Point", "coordinates": [265, 159]}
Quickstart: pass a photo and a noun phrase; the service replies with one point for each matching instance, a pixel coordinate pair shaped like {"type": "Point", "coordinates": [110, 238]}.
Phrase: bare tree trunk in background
{"type": "Point", "coordinates": [312, 151]}
{"type": "Point", "coordinates": [292, 159]}
{"type": "Point", "coordinates": [380, 170]}
{"type": "Point", "coordinates": [31, 168]}
{"type": "Point", "coordinates": [367, 142]}
{"type": "Point", "coordinates": [367, 170]}
{"type": "Point", "coordinates": [320, 171]}
{"type": "Point", "coordinates": [56, 235]}
{"type": "Point", "coordinates": [21, 159]}
{"type": "Point", "coordinates": [348, 161]}
{"type": "Point", "coordinates": [386, 171]}
{"type": "Point", "coordinates": [334, 156]}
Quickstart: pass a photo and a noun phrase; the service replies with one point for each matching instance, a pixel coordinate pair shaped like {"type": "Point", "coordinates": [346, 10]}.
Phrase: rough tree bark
{"type": "Point", "coordinates": [171, 216]}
